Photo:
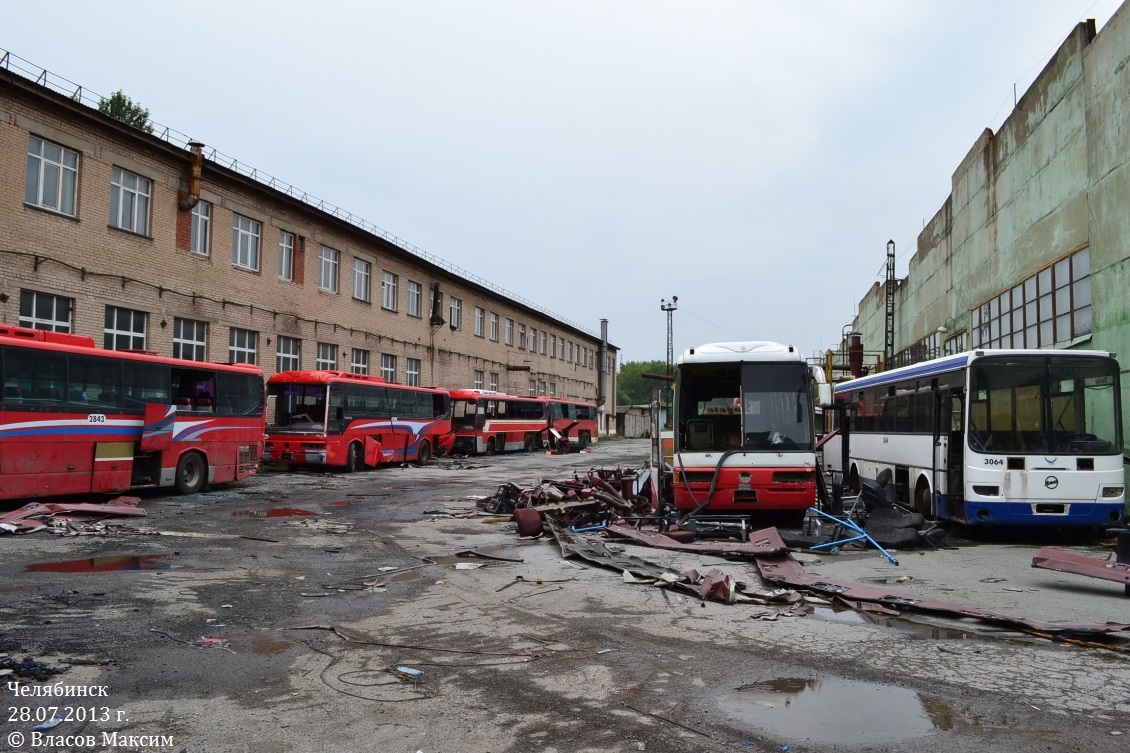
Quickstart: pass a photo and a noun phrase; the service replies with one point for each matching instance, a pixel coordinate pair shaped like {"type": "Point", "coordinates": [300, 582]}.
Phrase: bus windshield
{"type": "Point", "coordinates": [750, 406]}
{"type": "Point", "coordinates": [1063, 405]}
{"type": "Point", "coordinates": [298, 407]}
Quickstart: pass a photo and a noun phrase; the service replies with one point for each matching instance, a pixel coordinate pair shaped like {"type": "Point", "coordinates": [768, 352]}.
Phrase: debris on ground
{"type": "Point", "coordinates": [29, 668]}
{"type": "Point", "coordinates": [73, 518]}
{"type": "Point", "coordinates": [1050, 558]}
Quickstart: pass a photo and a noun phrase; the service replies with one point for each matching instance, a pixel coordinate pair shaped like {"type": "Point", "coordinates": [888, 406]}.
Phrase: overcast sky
{"type": "Point", "coordinates": [752, 158]}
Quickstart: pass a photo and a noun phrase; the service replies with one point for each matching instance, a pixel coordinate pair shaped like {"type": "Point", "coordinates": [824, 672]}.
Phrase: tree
{"type": "Point", "coordinates": [120, 107]}
{"type": "Point", "coordinates": [632, 388]}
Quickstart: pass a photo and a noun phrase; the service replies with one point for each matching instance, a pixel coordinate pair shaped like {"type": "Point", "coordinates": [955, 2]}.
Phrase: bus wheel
{"type": "Point", "coordinates": [190, 473]}
{"type": "Point", "coordinates": [583, 440]}
{"type": "Point", "coordinates": [531, 443]}
{"type": "Point", "coordinates": [922, 498]}
{"type": "Point", "coordinates": [853, 481]}
{"type": "Point", "coordinates": [425, 453]}
{"type": "Point", "coordinates": [490, 446]}
{"type": "Point", "coordinates": [354, 462]}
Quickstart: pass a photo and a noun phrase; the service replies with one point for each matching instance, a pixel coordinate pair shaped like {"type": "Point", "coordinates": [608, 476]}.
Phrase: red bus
{"type": "Point", "coordinates": [573, 420]}
{"type": "Point", "coordinates": [76, 419]}
{"type": "Point", "coordinates": [340, 419]}
{"type": "Point", "coordinates": [486, 422]}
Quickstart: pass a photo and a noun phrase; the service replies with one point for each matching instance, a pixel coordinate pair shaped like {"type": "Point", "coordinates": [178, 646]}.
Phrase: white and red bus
{"type": "Point", "coordinates": [486, 422]}
{"type": "Point", "coordinates": [346, 420]}
{"type": "Point", "coordinates": [744, 441]}
{"type": "Point", "coordinates": [76, 419]}
{"type": "Point", "coordinates": [572, 420]}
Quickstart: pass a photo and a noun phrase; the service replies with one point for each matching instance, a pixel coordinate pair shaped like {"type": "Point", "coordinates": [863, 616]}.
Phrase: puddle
{"type": "Point", "coordinates": [842, 712]}
{"type": "Point", "coordinates": [913, 630]}
{"type": "Point", "coordinates": [275, 512]}
{"type": "Point", "coordinates": [105, 564]}
{"type": "Point", "coordinates": [405, 576]}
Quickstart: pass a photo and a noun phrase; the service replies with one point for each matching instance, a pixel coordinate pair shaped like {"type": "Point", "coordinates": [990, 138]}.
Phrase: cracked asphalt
{"type": "Point", "coordinates": [332, 612]}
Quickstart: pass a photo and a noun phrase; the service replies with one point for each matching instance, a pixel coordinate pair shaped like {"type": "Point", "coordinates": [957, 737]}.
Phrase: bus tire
{"type": "Point", "coordinates": [191, 473]}
{"type": "Point", "coordinates": [529, 521]}
{"type": "Point", "coordinates": [531, 443]}
{"type": "Point", "coordinates": [490, 449]}
{"type": "Point", "coordinates": [853, 481]}
{"type": "Point", "coordinates": [583, 440]}
{"type": "Point", "coordinates": [922, 498]}
{"type": "Point", "coordinates": [425, 453]}
{"type": "Point", "coordinates": [353, 459]}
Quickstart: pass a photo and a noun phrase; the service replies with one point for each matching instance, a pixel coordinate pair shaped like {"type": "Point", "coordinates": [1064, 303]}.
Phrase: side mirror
{"type": "Point", "coordinates": [824, 394]}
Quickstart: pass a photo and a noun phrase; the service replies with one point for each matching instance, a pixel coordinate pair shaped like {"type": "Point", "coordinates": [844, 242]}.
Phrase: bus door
{"type": "Point", "coordinates": [401, 406]}
{"type": "Point", "coordinates": [953, 427]}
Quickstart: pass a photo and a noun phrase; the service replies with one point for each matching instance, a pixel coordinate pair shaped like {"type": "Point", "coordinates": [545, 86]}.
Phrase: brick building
{"type": "Point", "coordinates": [149, 241]}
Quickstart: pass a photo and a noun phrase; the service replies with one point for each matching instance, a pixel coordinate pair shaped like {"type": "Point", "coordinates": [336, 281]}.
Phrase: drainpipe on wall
{"type": "Point", "coordinates": [602, 375]}
{"type": "Point", "coordinates": [191, 196]}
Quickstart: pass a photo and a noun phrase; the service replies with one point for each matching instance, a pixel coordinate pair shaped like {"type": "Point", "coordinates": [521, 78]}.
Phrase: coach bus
{"type": "Point", "coordinates": [744, 441]}
{"type": "Point", "coordinates": [1007, 437]}
{"type": "Point", "coordinates": [573, 421]}
{"type": "Point", "coordinates": [77, 419]}
{"type": "Point", "coordinates": [352, 421]}
{"type": "Point", "coordinates": [486, 421]}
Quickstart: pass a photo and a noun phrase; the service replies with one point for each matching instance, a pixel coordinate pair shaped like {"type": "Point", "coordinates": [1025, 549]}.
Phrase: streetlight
{"type": "Point", "coordinates": [670, 309]}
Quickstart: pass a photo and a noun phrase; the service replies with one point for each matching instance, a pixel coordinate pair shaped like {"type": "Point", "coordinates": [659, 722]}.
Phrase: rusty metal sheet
{"type": "Point", "coordinates": [1050, 558]}
{"type": "Point", "coordinates": [761, 543]}
{"type": "Point", "coordinates": [783, 569]}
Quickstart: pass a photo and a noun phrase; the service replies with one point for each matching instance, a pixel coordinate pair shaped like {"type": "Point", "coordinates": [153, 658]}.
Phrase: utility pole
{"type": "Point", "coordinates": [670, 309]}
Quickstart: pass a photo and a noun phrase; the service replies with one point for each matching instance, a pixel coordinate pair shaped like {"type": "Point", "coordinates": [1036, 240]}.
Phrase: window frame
{"type": "Point", "coordinates": [200, 229]}
{"type": "Point", "coordinates": [286, 255]}
{"type": "Point", "coordinates": [412, 372]}
{"type": "Point", "coordinates": [240, 352]}
{"type": "Point", "coordinates": [138, 207]}
{"type": "Point", "coordinates": [195, 342]}
{"type": "Point", "coordinates": [329, 260]}
{"type": "Point", "coordinates": [415, 299]}
{"type": "Point", "coordinates": [388, 367]}
{"type": "Point", "coordinates": [33, 320]}
{"type": "Point", "coordinates": [362, 279]}
{"type": "Point", "coordinates": [246, 242]}
{"type": "Point", "coordinates": [138, 320]}
{"type": "Point", "coordinates": [358, 361]}
{"type": "Point", "coordinates": [292, 353]}
{"type": "Point", "coordinates": [34, 194]}
{"type": "Point", "coordinates": [325, 357]}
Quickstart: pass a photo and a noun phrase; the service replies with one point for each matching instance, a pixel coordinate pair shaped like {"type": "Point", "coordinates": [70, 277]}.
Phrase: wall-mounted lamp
{"type": "Point", "coordinates": [164, 324]}
{"type": "Point", "coordinates": [947, 326]}
{"type": "Point", "coordinates": [268, 341]}
{"type": "Point", "coordinates": [3, 297]}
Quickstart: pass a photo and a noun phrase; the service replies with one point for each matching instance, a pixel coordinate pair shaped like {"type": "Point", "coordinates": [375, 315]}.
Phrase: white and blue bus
{"type": "Point", "coordinates": [992, 437]}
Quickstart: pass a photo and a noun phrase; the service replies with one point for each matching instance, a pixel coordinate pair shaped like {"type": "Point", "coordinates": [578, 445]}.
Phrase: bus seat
{"type": "Point", "coordinates": [700, 434]}
{"type": "Point", "coordinates": [182, 403]}
{"type": "Point", "coordinates": [204, 403]}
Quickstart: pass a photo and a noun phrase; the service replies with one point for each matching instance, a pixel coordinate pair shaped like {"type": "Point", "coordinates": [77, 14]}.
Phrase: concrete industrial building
{"type": "Point", "coordinates": [1032, 247]}
{"type": "Point", "coordinates": [146, 240]}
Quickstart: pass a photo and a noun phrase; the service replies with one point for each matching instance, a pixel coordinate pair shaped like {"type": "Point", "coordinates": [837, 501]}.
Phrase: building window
{"type": "Point", "coordinates": [541, 388]}
{"type": "Point", "coordinates": [129, 201]}
{"type": "Point", "coordinates": [200, 240]}
{"type": "Point", "coordinates": [456, 313]}
{"type": "Point", "coordinates": [45, 311]}
{"type": "Point", "coordinates": [359, 361]}
{"type": "Point", "coordinates": [958, 343]}
{"type": "Point", "coordinates": [553, 389]}
{"type": "Point", "coordinates": [533, 339]}
{"type": "Point", "coordinates": [287, 354]}
{"type": "Point", "coordinates": [1052, 307]}
{"type": "Point", "coordinates": [125, 329]}
{"type": "Point", "coordinates": [388, 292]}
{"type": "Point", "coordinates": [553, 346]}
{"type": "Point", "coordinates": [480, 322]}
{"type": "Point", "coordinates": [326, 357]}
{"type": "Point", "coordinates": [493, 381]}
{"type": "Point", "coordinates": [543, 341]}
{"type": "Point", "coordinates": [415, 298]}
{"type": "Point", "coordinates": [493, 326]}
{"type": "Point", "coordinates": [245, 234]}
{"type": "Point", "coordinates": [327, 269]}
{"type": "Point", "coordinates": [509, 331]}
{"type": "Point", "coordinates": [570, 344]}
{"type": "Point", "coordinates": [190, 339]}
{"type": "Point", "coordinates": [52, 176]}
{"type": "Point", "coordinates": [286, 256]}
{"type": "Point", "coordinates": [478, 379]}
{"type": "Point", "coordinates": [388, 367]}
{"type": "Point", "coordinates": [412, 372]}
{"type": "Point", "coordinates": [243, 346]}
{"type": "Point", "coordinates": [362, 273]}
{"type": "Point", "coordinates": [521, 337]}
{"type": "Point", "coordinates": [532, 388]}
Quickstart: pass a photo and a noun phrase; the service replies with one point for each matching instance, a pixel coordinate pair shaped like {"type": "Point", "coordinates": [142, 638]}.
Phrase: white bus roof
{"type": "Point", "coordinates": [954, 363]}
{"type": "Point", "coordinates": [736, 352]}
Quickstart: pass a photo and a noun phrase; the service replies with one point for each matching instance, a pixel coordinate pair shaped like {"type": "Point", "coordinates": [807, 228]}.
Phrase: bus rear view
{"type": "Point", "coordinates": [744, 435]}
